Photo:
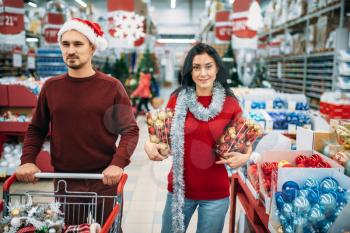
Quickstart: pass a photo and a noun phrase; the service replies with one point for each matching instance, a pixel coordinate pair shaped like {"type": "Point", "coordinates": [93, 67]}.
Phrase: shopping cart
{"type": "Point", "coordinates": [78, 205]}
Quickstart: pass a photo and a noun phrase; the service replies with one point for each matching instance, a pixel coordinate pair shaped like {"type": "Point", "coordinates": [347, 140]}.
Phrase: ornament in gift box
{"type": "Point", "coordinates": [237, 137]}
{"type": "Point", "coordinates": [159, 125]}
{"type": "Point", "coordinates": [343, 134]}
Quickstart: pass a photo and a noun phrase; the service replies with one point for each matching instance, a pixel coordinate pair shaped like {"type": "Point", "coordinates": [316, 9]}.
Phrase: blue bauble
{"type": "Point", "coordinates": [279, 200]}
{"type": "Point", "coordinates": [329, 184]}
{"type": "Point", "coordinates": [288, 229]}
{"type": "Point", "coordinates": [301, 205]}
{"type": "Point", "coordinates": [283, 220]}
{"type": "Point", "coordinates": [313, 196]}
{"type": "Point", "coordinates": [303, 192]}
{"type": "Point", "coordinates": [288, 210]}
{"type": "Point", "coordinates": [325, 225]}
{"type": "Point", "coordinates": [299, 224]}
{"type": "Point", "coordinates": [290, 191]}
{"type": "Point", "coordinates": [328, 203]}
{"type": "Point", "coordinates": [310, 183]}
{"type": "Point", "coordinates": [316, 215]}
{"type": "Point", "coordinates": [309, 229]}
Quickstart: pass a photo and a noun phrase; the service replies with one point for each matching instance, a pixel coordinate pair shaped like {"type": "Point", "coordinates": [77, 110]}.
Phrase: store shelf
{"type": "Point", "coordinates": [302, 19]}
{"type": "Point", "coordinates": [13, 128]}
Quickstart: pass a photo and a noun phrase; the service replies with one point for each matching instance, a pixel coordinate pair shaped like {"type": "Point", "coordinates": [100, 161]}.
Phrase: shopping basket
{"type": "Point", "coordinates": [79, 205]}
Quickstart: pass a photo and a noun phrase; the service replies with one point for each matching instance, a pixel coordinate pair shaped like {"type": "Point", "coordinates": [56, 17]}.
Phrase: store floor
{"type": "Point", "coordinates": [145, 190]}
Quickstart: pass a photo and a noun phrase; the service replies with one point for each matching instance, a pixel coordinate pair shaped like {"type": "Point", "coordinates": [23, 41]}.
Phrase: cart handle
{"type": "Point", "coordinates": [12, 178]}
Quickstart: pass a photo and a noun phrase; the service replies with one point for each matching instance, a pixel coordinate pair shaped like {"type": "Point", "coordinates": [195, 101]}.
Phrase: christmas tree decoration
{"type": "Point", "coordinates": [29, 217]}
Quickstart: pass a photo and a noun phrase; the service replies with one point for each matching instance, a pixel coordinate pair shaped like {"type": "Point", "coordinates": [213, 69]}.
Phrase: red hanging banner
{"type": "Point", "coordinates": [242, 36]}
{"type": "Point", "coordinates": [223, 28]}
{"type": "Point", "coordinates": [53, 23]}
{"type": "Point", "coordinates": [12, 22]}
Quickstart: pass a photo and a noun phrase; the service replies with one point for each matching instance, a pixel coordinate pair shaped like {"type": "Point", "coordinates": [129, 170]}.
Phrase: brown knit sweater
{"type": "Point", "coordinates": [85, 117]}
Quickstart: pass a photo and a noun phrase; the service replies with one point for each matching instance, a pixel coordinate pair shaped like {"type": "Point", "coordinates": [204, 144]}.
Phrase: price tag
{"type": "Point", "coordinates": [292, 129]}
{"type": "Point", "coordinates": [31, 62]}
{"type": "Point", "coordinates": [248, 105]}
{"type": "Point", "coordinates": [269, 105]}
{"type": "Point", "coordinates": [17, 60]}
{"type": "Point", "coordinates": [291, 105]}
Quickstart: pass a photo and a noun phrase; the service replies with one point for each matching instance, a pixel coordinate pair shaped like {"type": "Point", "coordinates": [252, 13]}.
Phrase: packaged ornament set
{"type": "Point", "coordinates": [239, 134]}
{"type": "Point", "coordinates": [159, 125]}
{"type": "Point", "coordinates": [309, 203]}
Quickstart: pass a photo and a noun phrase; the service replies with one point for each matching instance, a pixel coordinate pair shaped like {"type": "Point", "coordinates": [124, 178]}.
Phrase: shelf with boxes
{"type": "Point", "coordinates": [17, 102]}
{"type": "Point", "coordinates": [302, 44]}
{"type": "Point", "coordinates": [50, 62]}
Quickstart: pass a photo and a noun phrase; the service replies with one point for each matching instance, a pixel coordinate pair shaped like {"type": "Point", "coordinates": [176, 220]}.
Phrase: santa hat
{"type": "Point", "coordinates": [89, 29]}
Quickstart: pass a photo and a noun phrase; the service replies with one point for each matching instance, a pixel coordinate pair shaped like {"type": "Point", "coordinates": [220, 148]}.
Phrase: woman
{"type": "Point", "coordinates": [203, 106]}
{"type": "Point", "coordinates": [143, 91]}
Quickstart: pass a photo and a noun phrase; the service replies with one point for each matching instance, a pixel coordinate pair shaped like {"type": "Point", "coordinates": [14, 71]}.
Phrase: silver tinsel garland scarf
{"type": "Point", "coordinates": [187, 100]}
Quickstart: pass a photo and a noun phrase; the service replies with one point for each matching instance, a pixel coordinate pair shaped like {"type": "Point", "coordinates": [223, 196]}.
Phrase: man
{"type": "Point", "coordinates": [85, 111]}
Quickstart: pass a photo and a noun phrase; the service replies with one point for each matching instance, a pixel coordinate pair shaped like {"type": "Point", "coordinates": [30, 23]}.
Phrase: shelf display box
{"type": "Point", "coordinates": [294, 174]}
{"type": "Point", "coordinates": [20, 96]}
{"type": "Point", "coordinates": [279, 155]}
{"type": "Point", "coordinates": [4, 101]}
{"type": "Point", "coordinates": [14, 128]}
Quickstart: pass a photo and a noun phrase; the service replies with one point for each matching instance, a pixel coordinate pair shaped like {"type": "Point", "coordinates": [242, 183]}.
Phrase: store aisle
{"type": "Point", "coordinates": [145, 190]}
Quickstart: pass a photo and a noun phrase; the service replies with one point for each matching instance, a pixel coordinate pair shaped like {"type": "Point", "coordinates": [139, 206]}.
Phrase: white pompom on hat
{"type": "Point", "coordinates": [89, 29]}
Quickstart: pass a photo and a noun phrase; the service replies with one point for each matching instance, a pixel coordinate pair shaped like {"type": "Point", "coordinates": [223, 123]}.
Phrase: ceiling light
{"type": "Point", "coordinates": [81, 3]}
{"type": "Point", "coordinates": [173, 4]}
{"type": "Point", "coordinates": [176, 41]}
{"type": "Point", "coordinates": [32, 4]}
{"type": "Point", "coordinates": [32, 39]}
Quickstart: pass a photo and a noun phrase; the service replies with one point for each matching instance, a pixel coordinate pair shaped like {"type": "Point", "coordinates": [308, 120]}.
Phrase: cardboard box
{"type": "Point", "coordinates": [294, 174]}
{"type": "Point", "coordinates": [278, 155]}
{"type": "Point", "coordinates": [311, 140]}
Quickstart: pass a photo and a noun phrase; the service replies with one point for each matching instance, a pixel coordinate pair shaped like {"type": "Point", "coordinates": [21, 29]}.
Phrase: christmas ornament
{"type": "Point", "coordinates": [303, 192]}
{"type": "Point", "coordinates": [316, 215]}
{"type": "Point", "coordinates": [328, 184]}
{"type": "Point", "coordinates": [313, 195]}
{"type": "Point", "coordinates": [301, 205]}
{"type": "Point", "coordinates": [299, 224]}
{"type": "Point", "coordinates": [279, 200]}
{"type": "Point", "coordinates": [159, 124]}
{"type": "Point", "coordinates": [238, 135]}
{"type": "Point", "coordinates": [301, 159]}
{"type": "Point", "coordinates": [290, 191]}
{"type": "Point", "coordinates": [283, 163]}
{"type": "Point", "coordinates": [288, 210]}
{"type": "Point", "coordinates": [310, 183]}
{"type": "Point", "coordinates": [328, 203]}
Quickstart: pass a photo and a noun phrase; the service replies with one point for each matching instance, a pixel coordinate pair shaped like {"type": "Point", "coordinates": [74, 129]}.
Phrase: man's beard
{"type": "Point", "coordinates": [75, 66]}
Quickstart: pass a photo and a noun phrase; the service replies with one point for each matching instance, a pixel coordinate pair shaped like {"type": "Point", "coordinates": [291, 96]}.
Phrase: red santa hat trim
{"type": "Point", "coordinates": [89, 29]}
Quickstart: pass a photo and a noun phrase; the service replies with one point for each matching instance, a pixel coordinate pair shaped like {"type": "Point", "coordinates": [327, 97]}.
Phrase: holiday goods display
{"type": "Point", "coordinates": [238, 136]}
{"type": "Point", "coordinates": [343, 133]}
{"type": "Point", "coordinates": [29, 217]}
{"type": "Point", "coordinates": [310, 206]}
{"type": "Point", "coordinates": [8, 116]}
{"type": "Point", "coordinates": [159, 125]}
{"type": "Point", "coordinates": [269, 169]}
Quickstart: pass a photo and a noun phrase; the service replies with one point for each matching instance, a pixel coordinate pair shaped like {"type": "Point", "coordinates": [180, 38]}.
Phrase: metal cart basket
{"type": "Point", "coordinates": [79, 207]}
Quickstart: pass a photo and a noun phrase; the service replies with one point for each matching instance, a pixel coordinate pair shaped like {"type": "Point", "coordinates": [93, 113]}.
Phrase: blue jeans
{"type": "Point", "coordinates": [211, 214]}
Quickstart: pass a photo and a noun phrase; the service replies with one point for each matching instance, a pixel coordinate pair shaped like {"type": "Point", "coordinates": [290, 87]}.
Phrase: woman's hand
{"type": "Point", "coordinates": [235, 159]}
{"type": "Point", "coordinates": [152, 150]}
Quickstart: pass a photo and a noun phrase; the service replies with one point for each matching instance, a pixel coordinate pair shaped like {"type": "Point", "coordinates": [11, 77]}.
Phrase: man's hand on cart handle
{"type": "Point", "coordinates": [26, 172]}
{"type": "Point", "coordinates": [112, 175]}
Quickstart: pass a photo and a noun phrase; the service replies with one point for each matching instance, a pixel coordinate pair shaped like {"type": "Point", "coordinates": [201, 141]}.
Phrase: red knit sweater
{"type": "Point", "coordinates": [204, 180]}
{"type": "Point", "coordinates": [86, 116]}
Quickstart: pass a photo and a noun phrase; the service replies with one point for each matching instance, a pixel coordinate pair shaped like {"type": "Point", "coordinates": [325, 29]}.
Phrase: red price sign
{"type": "Point", "coordinates": [50, 35]}
{"type": "Point", "coordinates": [11, 23]}
{"type": "Point", "coordinates": [223, 33]}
